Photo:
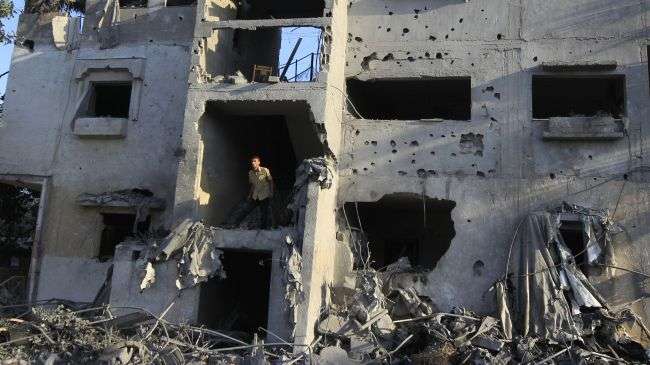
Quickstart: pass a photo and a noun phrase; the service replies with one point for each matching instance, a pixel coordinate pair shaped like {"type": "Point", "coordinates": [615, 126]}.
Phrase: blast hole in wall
{"type": "Point", "coordinates": [405, 225]}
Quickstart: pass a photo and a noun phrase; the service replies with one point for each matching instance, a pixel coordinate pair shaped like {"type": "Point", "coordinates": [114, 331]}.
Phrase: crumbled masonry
{"type": "Point", "coordinates": [140, 200]}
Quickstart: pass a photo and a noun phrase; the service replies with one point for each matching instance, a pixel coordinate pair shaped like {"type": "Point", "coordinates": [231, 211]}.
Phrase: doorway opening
{"type": "Point", "coordinates": [238, 304]}
{"type": "Point", "coordinates": [19, 210]}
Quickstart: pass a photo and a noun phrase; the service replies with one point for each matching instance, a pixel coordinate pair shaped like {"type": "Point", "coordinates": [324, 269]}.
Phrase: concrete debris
{"type": "Point", "coordinates": [310, 170]}
{"type": "Point", "coordinates": [142, 201]}
{"type": "Point", "coordinates": [386, 317]}
{"type": "Point", "coordinates": [149, 277]}
{"type": "Point", "coordinates": [237, 79]}
{"type": "Point", "coordinates": [61, 332]}
{"type": "Point", "coordinates": [292, 268]}
{"type": "Point", "coordinates": [547, 279]}
{"type": "Point", "coordinates": [199, 260]}
{"type": "Point", "coordinates": [314, 169]}
{"type": "Point", "coordinates": [108, 25]}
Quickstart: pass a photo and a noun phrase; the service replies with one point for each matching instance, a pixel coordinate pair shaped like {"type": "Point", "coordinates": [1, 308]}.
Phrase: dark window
{"type": "Point", "coordinates": [181, 2]}
{"type": "Point", "coordinates": [573, 236]}
{"type": "Point", "coordinates": [133, 3]}
{"type": "Point", "coordinates": [404, 225]}
{"type": "Point", "coordinates": [110, 100]}
{"type": "Point", "coordinates": [240, 302]}
{"type": "Point", "coordinates": [280, 9]}
{"type": "Point", "coordinates": [560, 96]}
{"type": "Point", "coordinates": [445, 98]}
{"type": "Point", "coordinates": [117, 227]}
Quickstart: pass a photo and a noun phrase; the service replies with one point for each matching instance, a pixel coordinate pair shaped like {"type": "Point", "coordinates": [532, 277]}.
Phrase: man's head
{"type": "Point", "coordinates": [255, 162]}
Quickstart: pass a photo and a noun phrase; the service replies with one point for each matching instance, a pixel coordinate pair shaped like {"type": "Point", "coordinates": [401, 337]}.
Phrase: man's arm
{"type": "Point", "coordinates": [271, 185]}
{"type": "Point", "coordinates": [250, 190]}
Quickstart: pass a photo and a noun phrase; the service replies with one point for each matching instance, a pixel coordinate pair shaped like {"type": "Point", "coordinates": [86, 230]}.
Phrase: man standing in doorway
{"type": "Point", "coordinates": [259, 195]}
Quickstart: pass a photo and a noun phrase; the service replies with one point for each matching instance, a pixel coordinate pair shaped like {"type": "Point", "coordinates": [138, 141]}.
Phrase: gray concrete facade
{"type": "Point", "coordinates": [497, 166]}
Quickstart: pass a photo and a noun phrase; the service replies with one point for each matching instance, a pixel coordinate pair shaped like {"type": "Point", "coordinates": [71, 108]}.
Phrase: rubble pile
{"type": "Point", "coordinates": [385, 318]}
{"type": "Point", "coordinates": [70, 333]}
{"type": "Point", "coordinates": [548, 310]}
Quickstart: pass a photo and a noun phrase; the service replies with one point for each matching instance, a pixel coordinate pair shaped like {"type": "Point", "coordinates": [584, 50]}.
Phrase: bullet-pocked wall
{"type": "Point", "coordinates": [503, 161]}
{"type": "Point", "coordinates": [46, 131]}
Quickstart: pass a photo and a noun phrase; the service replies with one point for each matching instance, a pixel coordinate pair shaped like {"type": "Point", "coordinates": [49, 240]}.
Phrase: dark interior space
{"type": "Point", "coordinates": [573, 235]}
{"type": "Point", "coordinates": [259, 47]}
{"type": "Point", "coordinates": [180, 2]}
{"type": "Point", "coordinates": [110, 100]}
{"type": "Point", "coordinates": [125, 4]}
{"type": "Point", "coordinates": [238, 304]}
{"type": "Point", "coordinates": [233, 132]}
{"type": "Point", "coordinates": [410, 225]}
{"type": "Point", "coordinates": [444, 98]}
{"type": "Point", "coordinates": [18, 216]}
{"type": "Point", "coordinates": [117, 227]}
{"type": "Point", "coordinates": [280, 9]}
{"type": "Point", "coordinates": [557, 96]}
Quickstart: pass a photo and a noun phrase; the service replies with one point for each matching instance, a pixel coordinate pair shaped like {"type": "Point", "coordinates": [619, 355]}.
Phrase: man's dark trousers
{"type": "Point", "coordinates": [249, 206]}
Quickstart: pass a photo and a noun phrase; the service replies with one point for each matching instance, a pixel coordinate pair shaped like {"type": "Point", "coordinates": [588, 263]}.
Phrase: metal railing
{"type": "Point", "coordinates": [300, 74]}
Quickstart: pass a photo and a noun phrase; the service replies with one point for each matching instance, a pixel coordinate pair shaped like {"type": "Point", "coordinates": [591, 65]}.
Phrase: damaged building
{"type": "Point", "coordinates": [457, 162]}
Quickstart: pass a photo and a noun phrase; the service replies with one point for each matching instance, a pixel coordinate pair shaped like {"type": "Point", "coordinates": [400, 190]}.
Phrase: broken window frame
{"type": "Point", "coordinates": [136, 229]}
{"type": "Point", "coordinates": [41, 184]}
{"type": "Point", "coordinates": [108, 71]}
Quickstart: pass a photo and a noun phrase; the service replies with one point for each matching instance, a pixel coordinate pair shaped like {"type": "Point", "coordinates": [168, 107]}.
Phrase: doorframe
{"type": "Point", "coordinates": [41, 184]}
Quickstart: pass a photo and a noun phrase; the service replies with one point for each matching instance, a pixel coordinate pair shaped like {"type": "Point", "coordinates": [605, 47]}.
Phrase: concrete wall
{"type": "Point", "coordinates": [37, 136]}
{"type": "Point", "coordinates": [500, 45]}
